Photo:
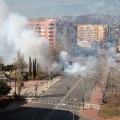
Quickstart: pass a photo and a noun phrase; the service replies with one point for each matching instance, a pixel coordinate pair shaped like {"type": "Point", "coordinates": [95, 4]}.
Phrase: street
{"type": "Point", "coordinates": [63, 101]}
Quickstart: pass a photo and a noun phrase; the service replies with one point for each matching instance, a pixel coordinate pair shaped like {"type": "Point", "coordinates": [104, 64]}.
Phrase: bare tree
{"type": "Point", "coordinates": [21, 65]}
{"type": "Point", "coordinates": [110, 84]}
{"type": "Point", "coordinates": [99, 73]}
{"type": "Point", "coordinates": [113, 94]}
{"type": "Point", "coordinates": [30, 67]}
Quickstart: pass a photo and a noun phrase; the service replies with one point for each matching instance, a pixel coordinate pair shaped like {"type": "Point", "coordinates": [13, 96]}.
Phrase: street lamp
{"type": "Point", "coordinates": [15, 79]}
{"type": "Point", "coordinates": [83, 99]}
{"type": "Point", "coordinates": [36, 88]}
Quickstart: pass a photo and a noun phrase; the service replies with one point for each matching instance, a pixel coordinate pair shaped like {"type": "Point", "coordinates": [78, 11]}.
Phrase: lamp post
{"type": "Point", "coordinates": [50, 80]}
{"type": "Point", "coordinates": [47, 83]}
{"type": "Point", "coordinates": [15, 80]}
{"type": "Point", "coordinates": [83, 99]}
{"type": "Point", "coordinates": [36, 88]}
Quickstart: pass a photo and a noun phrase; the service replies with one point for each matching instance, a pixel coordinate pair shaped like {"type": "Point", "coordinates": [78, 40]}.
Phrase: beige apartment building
{"type": "Point", "coordinates": [59, 32]}
{"type": "Point", "coordinates": [87, 33]}
{"type": "Point", "coordinates": [91, 32]}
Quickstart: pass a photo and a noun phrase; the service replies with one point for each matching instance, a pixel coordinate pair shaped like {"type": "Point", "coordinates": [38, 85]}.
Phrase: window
{"type": "Point", "coordinates": [51, 36]}
{"type": "Point", "coordinates": [50, 39]}
{"type": "Point", "coordinates": [52, 24]}
{"type": "Point", "coordinates": [51, 28]}
{"type": "Point", "coordinates": [51, 32]}
{"type": "Point", "coordinates": [37, 24]}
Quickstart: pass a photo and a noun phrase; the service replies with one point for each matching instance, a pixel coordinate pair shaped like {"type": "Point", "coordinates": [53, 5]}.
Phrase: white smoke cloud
{"type": "Point", "coordinates": [69, 66]}
{"type": "Point", "coordinates": [14, 36]}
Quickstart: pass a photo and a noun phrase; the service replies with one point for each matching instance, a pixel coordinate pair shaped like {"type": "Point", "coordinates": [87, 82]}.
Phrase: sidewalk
{"type": "Point", "coordinates": [30, 93]}
{"type": "Point", "coordinates": [91, 109]}
{"type": "Point", "coordinates": [41, 87]}
{"type": "Point", "coordinates": [33, 88]}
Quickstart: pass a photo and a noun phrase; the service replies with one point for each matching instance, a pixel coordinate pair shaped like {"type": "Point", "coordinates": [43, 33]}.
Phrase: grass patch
{"type": "Point", "coordinates": [41, 75]}
{"type": "Point", "coordinates": [108, 111]}
{"type": "Point", "coordinates": [12, 75]}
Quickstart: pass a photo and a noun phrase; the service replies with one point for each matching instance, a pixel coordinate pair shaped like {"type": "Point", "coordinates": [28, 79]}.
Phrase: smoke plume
{"type": "Point", "coordinates": [71, 66]}
{"type": "Point", "coordinates": [15, 36]}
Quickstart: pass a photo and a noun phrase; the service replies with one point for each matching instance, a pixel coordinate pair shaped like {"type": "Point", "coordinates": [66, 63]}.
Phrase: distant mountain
{"type": "Point", "coordinates": [94, 19]}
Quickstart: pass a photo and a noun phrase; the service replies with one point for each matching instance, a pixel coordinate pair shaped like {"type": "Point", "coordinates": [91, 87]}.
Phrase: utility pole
{"type": "Point", "coordinates": [36, 88]}
{"type": "Point", "coordinates": [30, 67]}
{"type": "Point", "coordinates": [15, 68]}
{"type": "Point", "coordinates": [83, 99]}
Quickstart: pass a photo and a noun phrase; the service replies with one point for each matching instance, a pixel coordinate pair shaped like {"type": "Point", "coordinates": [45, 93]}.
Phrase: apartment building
{"type": "Point", "coordinates": [91, 33]}
{"type": "Point", "coordinates": [45, 28]}
{"type": "Point", "coordinates": [60, 32]}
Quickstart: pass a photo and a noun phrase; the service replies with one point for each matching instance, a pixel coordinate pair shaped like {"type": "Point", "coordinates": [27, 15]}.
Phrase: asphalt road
{"type": "Point", "coordinates": [58, 103]}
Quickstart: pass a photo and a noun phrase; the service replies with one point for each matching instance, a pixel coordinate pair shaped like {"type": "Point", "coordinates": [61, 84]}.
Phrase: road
{"type": "Point", "coordinates": [58, 103]}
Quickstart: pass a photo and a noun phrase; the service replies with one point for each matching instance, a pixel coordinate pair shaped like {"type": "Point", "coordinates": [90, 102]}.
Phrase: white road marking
{"type": "Point", "coordinates": [69, 92]}
{"type": "Point", "coordinates": [68, 109]}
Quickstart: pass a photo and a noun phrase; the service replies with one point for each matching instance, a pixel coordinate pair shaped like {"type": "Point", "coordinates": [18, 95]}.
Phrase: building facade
{"type": "Point", "coordinates": [91, 33]}
{"type": "Point", "coordinates": [60, 33]}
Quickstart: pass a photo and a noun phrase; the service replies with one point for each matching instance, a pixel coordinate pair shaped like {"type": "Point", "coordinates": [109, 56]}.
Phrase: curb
{"type": "Point", "coordinates": [51, 86]}
{"type": "Point", "coordinates": [88, 117]}
{"type": "Point", "coordinates": [29, 100]}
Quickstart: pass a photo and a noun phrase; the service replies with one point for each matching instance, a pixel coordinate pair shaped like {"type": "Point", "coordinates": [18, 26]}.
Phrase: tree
{"type": "Point", "coordinates": [7, 70]}
{"type": "Point", "coordinates": [34, 68]}
{"type": "Point", "coordinates": [37, 69]}
{"type": "Point", "coordinates": [20, 62]}
{"type": "Point", "coordinates": [30, 67]}
{"type": "Point", "coordinates": [4, 88]}
{"type": "Point", "coordinates": [1, 65]}
{"type": "Point", "coordinates": [113, 87]}
{"type": "Point", "coordinates": [98, 76]}
{"type": "Point", "coordinates": [21, 65]}
{"type": "Point", "coordinates": [25, 75]}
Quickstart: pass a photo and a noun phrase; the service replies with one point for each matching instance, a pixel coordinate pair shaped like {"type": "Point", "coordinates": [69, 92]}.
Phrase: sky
{"type": "Point", "coordinates": [51, 8]}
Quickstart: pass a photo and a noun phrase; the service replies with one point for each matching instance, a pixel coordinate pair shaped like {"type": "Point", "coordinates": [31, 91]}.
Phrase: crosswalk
{"type": "Point", "coordinates": [71, 104]}
{"type": "Point", "coordinates": [56, 102]}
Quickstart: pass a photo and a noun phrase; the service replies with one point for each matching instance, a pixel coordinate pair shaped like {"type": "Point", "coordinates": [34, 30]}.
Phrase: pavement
{"type": "Point", "coordinates": [91, 108]}
{"type": "Point", "coordinates": [29, 91]}
{"type": "Point", "coordinates": [57, 103]}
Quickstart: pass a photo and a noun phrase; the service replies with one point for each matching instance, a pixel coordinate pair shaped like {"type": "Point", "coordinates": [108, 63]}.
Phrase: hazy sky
{"type": "Point", "coordinates": [50, 8]}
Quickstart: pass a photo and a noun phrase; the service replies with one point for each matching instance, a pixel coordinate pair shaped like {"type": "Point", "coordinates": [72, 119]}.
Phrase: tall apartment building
{"type": "Point", "coordinates": [59, 32]}
{"type": "Point", "coordinates": [92, 33]}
